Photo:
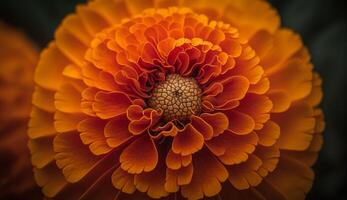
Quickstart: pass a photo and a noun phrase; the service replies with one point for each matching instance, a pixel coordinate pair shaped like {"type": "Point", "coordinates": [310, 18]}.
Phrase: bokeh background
{"type": "Point", "coordinates": [321, 23]}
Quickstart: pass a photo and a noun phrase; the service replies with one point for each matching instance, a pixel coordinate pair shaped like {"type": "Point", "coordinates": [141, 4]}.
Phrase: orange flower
{"type": "Point", "coordinates": [175, 99]}
{"type": "Point", "coordinates": [18, 58]}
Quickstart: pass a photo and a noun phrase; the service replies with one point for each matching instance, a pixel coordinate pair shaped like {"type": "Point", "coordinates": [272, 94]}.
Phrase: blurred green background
{"type": "Point", "coordinates": [321, 23]}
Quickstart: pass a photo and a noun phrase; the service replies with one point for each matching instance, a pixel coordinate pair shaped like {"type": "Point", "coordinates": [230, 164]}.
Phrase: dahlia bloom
{"type": "Point", "coordinates": [175, 100]}
{"type": "Point", "coordinates": [18, 57]}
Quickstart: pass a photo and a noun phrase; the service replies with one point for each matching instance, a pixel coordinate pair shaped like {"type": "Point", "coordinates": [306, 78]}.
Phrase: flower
{"type": "Point", "coordinates": [18, 58]}
{"type": "Point", "coordinates": [175, 99]}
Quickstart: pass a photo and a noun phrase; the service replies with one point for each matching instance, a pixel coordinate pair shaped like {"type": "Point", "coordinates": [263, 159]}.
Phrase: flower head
{"type": "Point", "coordinates": [18, 57]}
{"type": "Point", "coordinates": [166, 99]}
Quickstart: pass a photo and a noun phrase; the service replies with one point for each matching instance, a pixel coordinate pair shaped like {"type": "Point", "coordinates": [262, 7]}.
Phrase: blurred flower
{"type": "Point", "coordinates": [196, 100]}
{"type": "Point", "coordinates": [18, 57]}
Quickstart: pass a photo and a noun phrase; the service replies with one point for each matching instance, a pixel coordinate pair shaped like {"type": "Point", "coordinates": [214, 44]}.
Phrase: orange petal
{"type": "Point", "coordinates": [316, 95]}
{"type": "Point", "coordinates": [68, 99]}
{"type": "Point", "coordinates": [41, 124]}
{"type": "Point", "coordinates": [140, 156]}
{"type": "Point", "coordinates": [250, 16]}
{"type": "Point", "coordinates": [269, 134]}
{"type": "Point", "coordinates": [152, 182]}
{"type": "Point", "coordinates": [234, 88]}
{"type": "Point", "coordinates": [108, 105]}
{"type": "Point", "coordinates": [176, 178]}
{"type": "Point", "coordinates": [74, 165]}
{"type": "Point", "coordinates": [50, 179]}
{"type": "Point", "coordinates": [239, 148]}
{"type": "Point", "coordinates": [269, 157]}
{"type": "Point", "coordinates": [280, 99]}
{"type": "Point", "coordinates": [297, 126]}
{"type": "Point", "coordinates": [92, 133]}
{"type": "Point", "coordinates": [64, 122]}
{"type": "Point", "coordinates": [176, 161]}
{"type": "Point", "coordinates": [123, 181]}
{"type": "Point", "coordinates": [187, 141]}
{"type": "Point", "coordinates": [49, 70]}
{"type": "Point", "coordinates": [116, 131]}
{"type": "Point", "coordinates": [74, 24]}
{"type": "Point", "coordinates": [262, 42]}
{"type": "Point", "coordinates": [43, 99]}
{"type": "Point", "coordinates": [70, 46]}
{"type": "Point", "coordinates": [240, 123]}
{"type": "Point", "coordinates": [202, 127]}
{"type": "Point", "coordinates": [207, 177]}
{"type": "Point", "coordinates": [258, 107]}
{"type": "Point", "coordinates": [285, 44]}
{"type": "Point", "coordinates": [244, 175]}
{"type": "Point", "coordinates": [92, 21]}
{"type": "Point", "coordinates": [41, 150]}
{"type": "Point", "coordinates": [218, 121]}
{"type": "Point", "coordinates": [295, 78]}
{"type": "Point", "coordinates": [291, 178]}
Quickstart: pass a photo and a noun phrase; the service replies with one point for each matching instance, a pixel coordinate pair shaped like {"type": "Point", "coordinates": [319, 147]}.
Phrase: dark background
{"type": "Point", "coordinates": [321, 23]}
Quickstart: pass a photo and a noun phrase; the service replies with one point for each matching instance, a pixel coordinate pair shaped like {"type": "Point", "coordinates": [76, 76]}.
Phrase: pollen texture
{"type": "Point", "coordinates": [178, 97]}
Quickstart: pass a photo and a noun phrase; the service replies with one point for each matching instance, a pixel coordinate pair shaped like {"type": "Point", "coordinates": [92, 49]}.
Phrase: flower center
{"type": "Point", "coordinates": [178, 97]}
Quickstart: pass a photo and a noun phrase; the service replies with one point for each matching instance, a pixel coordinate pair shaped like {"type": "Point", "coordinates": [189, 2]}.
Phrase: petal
{"type": "Point", "coordinates": [41, 150]}
{"type": "Point", "coordinates": [262, 42]}
{"type": "Point", "coordinates": [239, 149]}
{"type": "Point", "coordinates": [49, 70]}
{"type": "Point", "coordinates": [285, 44]}
{"type": "Point", "coordinates": [41, 124]}
{"type": "Point", "coordinates": [176, 178]}
{"type": "Point", "coordinates": [258, 107]}
{"type": "Point", "coordinates": [298, 178]}
{"type": "Point", "coordinates": [64, 122]}
{"type": "Point", "coordinates": [176, 161]}
{"type": "Point", "coordinates": [295, 78]}
{"type": "Point", "coordinates": [297, 127]}
{"type": "Point", "coordinates": [70, 46]}
{"type": "Point", "coordinates": [140, 156]}
{"type": "Point", "coordinates": [123, 181]}
{"type": "Point", "coordinates": [250, 16]}
{"type": "Point", "coordinates": [202, 127]}
{"type": "Point", "coordinates": [92, 134]}
{"type": "Point", "coordinates": [280, 99]}
{"type": "Point", "coordinates": [240, 123]}
{"type": "Point", "coordinates": [244, 175]}
{"type": "Point", "coordinates": [218, 121]}
{"type": "Point", "coordinates": [234, 88]}
{"type": "Point", "coordinates": [207, 177]}
{"type": "Point", "coordinates": [269, 134]}
{"type": "Point", "coordinates": [50, 179]}
{"type": "Point", "coordinates": [68, 99]}
{"type": "Point", "coordinates": [269, 157]}
{"type": "Point", "coordinates": [91, 20]}
{"type": "Point", "coordinates": [152, 182]}
{"type": "Point", "coordinates": [108, 105]}
{"type": "Point", "coordinates": [74, 165]}
{"type": "Point", "coordinates": [116, 131]}
{"type": "Point", "coordinates": [187, 141]}
{"type": "Point", "coordinates": [43, 99]}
